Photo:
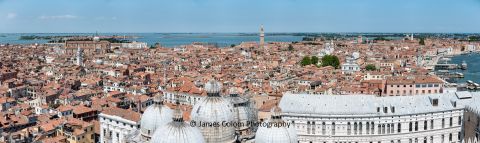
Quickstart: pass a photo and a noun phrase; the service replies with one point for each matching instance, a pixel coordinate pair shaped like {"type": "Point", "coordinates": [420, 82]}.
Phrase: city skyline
{"type": "Point", "coordinates": [193, 16]}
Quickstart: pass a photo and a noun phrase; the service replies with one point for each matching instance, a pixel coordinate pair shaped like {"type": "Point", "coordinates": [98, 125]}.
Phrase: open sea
{"type": "Point", "coordinates": [165, 39]}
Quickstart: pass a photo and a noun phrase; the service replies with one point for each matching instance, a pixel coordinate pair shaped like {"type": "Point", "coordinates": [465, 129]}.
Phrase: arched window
{"type": "Point", "coordinates": [355, 128]}
{"type": "Point", "coordinates": [349, 128]}
{"type": "Point", "coordinates": [313, 127]}
{"type": "Point", "coordinates": [393, 128]}
{"type": "Point", "coordinates": [360, 127]}
{"type": "Point", "coordinates": [416, 125]}
{"type": "Point", "coordinates": [372, 127]}
{"type": "Point", "coordinates": [333, 128]}
{"type": "Point", "coordinates": [388, 128]}
{"type": "Point", "coordinates": [379, 129]}
{"type": "Point", "coordinates": [308, 127]}
{"type": "Point", "coordinates": [324, 128]}
{"type": "Point", "coordinates": [410, 128]}
{"type": "Point", "coordinates": [399, 128]}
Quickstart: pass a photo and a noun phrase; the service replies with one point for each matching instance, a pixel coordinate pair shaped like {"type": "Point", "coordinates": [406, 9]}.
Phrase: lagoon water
{"type": "Point", "coordinates": [473, 71]}
{"type": "Point", "coordinates": [166, 39]}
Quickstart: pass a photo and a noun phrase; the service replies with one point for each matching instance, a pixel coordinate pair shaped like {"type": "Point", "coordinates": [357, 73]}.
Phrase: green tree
{"type": "Point", "coordinates": [233, 45]}
{"type": "Point", "coordinates": [370, 67]}
{"type": "Point", "coordinates": [314, 60]}
{"type": "Point", "coordinates": [330, 60]}
{"type": "Point", "coordinates": [306, 61]}
{"type": "Point", "coordinates": [422, 41]}
{"type": "Point", "coordinates": [290, 47]}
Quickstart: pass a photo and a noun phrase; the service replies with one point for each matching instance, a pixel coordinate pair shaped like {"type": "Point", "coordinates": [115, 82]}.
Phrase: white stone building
{"type": "Point", "coordinates": [433, 118]}
{"type": "Point", "coordinates": [117, 124]}
{"type": "Point", "coordinates": [350, 65]}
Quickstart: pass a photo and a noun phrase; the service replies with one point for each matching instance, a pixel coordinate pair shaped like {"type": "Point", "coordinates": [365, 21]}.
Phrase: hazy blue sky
{"type": "Point", "coordinates": [239, 15]}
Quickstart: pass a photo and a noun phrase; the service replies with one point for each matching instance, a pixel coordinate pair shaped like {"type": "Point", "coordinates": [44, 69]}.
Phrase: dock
{"type": "Point", "coordinates": [446, 66]}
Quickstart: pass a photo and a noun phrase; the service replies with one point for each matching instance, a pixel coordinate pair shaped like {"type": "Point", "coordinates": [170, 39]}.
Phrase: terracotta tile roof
{"type": "Point", "coordinates": [81, 109]}
{"type": "Point", "coordinates": [268, 105]}
{"type": "Point", "coordinates": [126, 114]}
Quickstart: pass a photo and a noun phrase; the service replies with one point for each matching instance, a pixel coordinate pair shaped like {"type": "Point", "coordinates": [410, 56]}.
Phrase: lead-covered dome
{"type": "Point", "coordinates": [214, 109]}
{"type": "Point", "coordinates": [276, 134]}
{"type": "Point", "coordinates": [177, 131]}
{"type": "Point", "coordinates": [213, 87]}
{"type": "Point", "coordinates": [154, 116]}
{"type": "Point", "coordinates": [244, 112]}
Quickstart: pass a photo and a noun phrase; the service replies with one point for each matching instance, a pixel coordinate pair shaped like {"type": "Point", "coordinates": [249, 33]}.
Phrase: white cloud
{"type": "Point", "coordinates": [11, 15]}
{"type": "Point", "coordinates": [106, 18]}
{"type": "Point", "coordinates": [67, 16]}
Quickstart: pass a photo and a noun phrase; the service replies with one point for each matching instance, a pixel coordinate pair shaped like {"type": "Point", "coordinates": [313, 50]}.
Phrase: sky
{"type": "Point", "coordinates": [194, 16]}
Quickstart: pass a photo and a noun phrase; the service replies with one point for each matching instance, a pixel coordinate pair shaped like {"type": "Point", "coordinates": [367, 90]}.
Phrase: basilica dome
{"type": "Point", "coordinates": [177, 131]}
{"type": "Point", "coordinates": [276, 134]}
{"type": "Point", "coordinates": [155, 115]}
{"type": "Point", "coordinates": [243, 112]}
{"type": "Point", "coordinates": [214, 109]}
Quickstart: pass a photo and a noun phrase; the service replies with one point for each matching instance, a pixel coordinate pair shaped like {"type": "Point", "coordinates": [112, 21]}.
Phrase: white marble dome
{"type": "Point", "coordinates": [213, 86]}
{"type": "Point", "coordinates": [177, 131]}
{"type": "Point", "coordinates": [211, 109]}
{"type": "Point", "coordinates": [155, 115]}
{"type": "Point", "coordinates": [244, 112]}
{"type": "Point", "coordinates": [272, 134]}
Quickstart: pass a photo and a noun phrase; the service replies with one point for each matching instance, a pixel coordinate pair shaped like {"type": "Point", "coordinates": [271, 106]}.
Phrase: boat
{"type": "Point", "coordinates": [463, 65]}
{"type": "Point", "coordinates": [469, 82]}
{"type": "Point", "coordinates": [476, 84]}
{"type": "Point", "coordinates": [459, 75]}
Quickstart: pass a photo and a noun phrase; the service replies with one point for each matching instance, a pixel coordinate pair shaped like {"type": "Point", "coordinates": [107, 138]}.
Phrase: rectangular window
{"type": "Point", "coordinates": [459, 120]}
{"type": "Point", "coordinates": [451, 121]}
{"type": "Point", "coordinates": [443, 123]}
{"type": "Point", "coordinates": [425, 125]}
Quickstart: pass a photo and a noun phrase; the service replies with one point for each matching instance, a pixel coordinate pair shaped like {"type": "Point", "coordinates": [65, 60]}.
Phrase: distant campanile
{"type": "Point", "coordinates": [262, 37]}
{"type": "Point", "coordinates": [79, 57]}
